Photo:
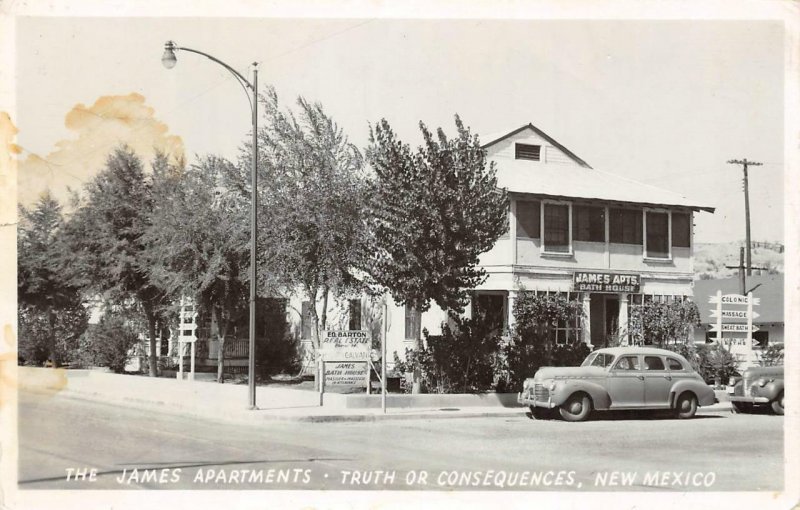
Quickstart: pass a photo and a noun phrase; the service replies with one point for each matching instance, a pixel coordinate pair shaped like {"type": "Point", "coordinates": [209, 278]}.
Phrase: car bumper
{"type": "Point", "coordinates": [530, 400]}
{"type": "Point", "coordinates": [749, 400]}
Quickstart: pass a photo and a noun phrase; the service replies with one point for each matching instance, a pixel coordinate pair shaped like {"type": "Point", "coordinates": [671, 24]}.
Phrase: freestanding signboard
{"type": "Point", "coordinates": [344, 359]}
{"type": "Point", "coordinates": [734, 310]}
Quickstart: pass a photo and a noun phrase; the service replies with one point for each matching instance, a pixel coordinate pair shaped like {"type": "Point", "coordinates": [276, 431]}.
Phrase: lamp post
{"type": "Point", "coordinates": [169, 60]}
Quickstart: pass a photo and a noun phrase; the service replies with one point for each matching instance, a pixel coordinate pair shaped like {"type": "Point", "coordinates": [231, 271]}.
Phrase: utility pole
{"type": "Point", "coordinates": [745, 164]}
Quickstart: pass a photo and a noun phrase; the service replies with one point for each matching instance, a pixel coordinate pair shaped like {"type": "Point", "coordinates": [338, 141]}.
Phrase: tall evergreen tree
{"type": "Point", "coordinates": [105, 235]}
{"type": "Point", "coordinates": [51, 314]}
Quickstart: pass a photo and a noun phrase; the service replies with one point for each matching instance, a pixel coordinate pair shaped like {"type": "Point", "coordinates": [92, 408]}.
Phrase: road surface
{"type": "Point", "coordinates": [75, 444]}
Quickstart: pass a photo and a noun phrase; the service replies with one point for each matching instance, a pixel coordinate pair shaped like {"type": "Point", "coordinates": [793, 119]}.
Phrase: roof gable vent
{"type": "Point", "coordinates": [527, 151]}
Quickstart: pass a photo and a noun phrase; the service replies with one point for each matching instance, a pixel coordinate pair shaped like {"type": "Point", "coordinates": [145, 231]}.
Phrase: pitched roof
{"type": "Point", "coordinates": [499, 137]}
{"type": "Point", "coordinates": [769, 288]}
{"type": "Point", "coordinates": [582, 181]}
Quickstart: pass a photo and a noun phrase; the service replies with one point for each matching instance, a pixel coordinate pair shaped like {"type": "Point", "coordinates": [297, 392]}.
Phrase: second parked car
{"type": "Point", "coordinates": [618, 378]}
{"type": "Point", "coordinates": [758, 387]}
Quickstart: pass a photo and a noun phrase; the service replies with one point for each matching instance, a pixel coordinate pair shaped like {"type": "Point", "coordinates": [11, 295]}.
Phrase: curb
{"type": "Point", "coordinates": [245, 417]}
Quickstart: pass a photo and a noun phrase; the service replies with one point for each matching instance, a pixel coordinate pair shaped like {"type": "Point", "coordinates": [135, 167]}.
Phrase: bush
{"type": "Point", "coordinates": [533, 343]}
{"type": "Point", "coordinates": [109, 344]}
{"type": "Point", "coordinates": [51, 336]}
{"type": "Point", "coordinates": [772, 356]}
{"type": "Point", "coordinates": [711, 362]}
{"type": "Point", "coordinates": [462, 359]}
{"type": "Point", "coordinates": [663, 324]}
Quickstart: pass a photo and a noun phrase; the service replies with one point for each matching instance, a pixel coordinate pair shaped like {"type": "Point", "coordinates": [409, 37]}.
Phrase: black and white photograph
{"type": "Point", "coordinates": [392, 255]}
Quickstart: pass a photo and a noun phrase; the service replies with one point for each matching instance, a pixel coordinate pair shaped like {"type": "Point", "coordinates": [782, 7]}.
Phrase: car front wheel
{"type": "Point", "coordinates": [777, 405]}
{"type": "Point", "coordinates": [577, 407]}
{"type": "Point", "coordinates": [686, 406]}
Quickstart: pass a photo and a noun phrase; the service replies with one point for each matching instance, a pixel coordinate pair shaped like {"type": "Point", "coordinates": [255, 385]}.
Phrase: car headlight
{"type": "Point", "coordinates": [762, 382]}
{"type": "Point", "coordinates": [552, 385]}
{"type": "Point", "coordinates": [526, 384]}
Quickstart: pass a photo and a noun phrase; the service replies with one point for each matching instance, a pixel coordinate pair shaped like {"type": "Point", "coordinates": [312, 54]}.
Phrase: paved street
{"type": "Point", "coordinates": [131, 448]}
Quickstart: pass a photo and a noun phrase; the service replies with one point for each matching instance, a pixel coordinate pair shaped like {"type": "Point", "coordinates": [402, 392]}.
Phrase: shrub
{"type": "Point", "coordinates": [663, 324]}
{"type": "Point", "coordinates": [110, 343]}
{"type": "Point", "coordinates": [460, 360]}
{"type": "Point", "coordinates": [277, 350]}
{"type": "Point", "coordinates": [772, 356]}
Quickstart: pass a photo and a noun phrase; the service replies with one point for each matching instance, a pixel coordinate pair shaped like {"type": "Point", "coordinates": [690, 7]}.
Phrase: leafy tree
{"type": "Point", "coordinates": [663, 324]}
{"type": "Point", "coordinates": [199, 239]}
{"type": "Point", "coordinates": [432, 212]}
{"type": "Point", "coordinates": [51, 314]}
{"type": "Point", "coordinates": [105, 239]}
{"type": "Point", "coordinates": [313, 204]}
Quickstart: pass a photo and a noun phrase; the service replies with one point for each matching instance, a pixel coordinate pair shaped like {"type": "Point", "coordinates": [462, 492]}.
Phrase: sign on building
{"type": "Point", "coordinates": [593, 281]}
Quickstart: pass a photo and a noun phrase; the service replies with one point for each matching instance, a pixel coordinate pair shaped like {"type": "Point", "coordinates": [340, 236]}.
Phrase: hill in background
{"type": "Point", "coordinates": [711, 259]}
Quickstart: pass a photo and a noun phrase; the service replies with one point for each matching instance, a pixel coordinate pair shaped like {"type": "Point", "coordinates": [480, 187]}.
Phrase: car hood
{"type": "Point", "coordinates": [754, 372]}
{"type": "Point", "coordinates": [568, 372]}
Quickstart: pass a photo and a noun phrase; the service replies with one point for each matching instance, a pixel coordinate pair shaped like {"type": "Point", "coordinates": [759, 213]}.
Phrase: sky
{"type": "Point", "coordinates": [665, 102]}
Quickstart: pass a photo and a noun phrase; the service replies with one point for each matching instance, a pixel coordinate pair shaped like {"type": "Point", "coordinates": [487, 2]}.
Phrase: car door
{"type": "Point", "coordinates": [626, 382]}
{"type": "Point", "coordinates": [657, 381]}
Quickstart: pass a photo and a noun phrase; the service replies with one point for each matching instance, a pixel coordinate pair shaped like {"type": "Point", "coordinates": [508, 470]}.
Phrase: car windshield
{"type": "Point", "coordinates": [598, 359]}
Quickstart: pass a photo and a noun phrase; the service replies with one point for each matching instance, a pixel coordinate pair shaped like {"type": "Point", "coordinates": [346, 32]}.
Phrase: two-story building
{"type": "Point", "coordinates": [592, 235]}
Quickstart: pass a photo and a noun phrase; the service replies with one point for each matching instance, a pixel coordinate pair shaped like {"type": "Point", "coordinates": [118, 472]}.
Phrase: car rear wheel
{"type": "Point", "coordinates": [577, 407]}
{"type": "Point", "coordinates": [686, 406]}
{"type": "Point", "coordinates": [777, 405]}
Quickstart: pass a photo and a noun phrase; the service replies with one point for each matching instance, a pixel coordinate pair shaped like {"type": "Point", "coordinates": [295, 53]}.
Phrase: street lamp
{"type": "Point", "coordinates": [169, 60]}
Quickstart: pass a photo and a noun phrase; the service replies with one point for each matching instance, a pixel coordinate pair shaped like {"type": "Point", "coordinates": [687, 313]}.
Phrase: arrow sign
{"type": "Point", "coordinates": [732, 299]}
{"type": "Point", "coordinates": [732, 314]}
{"type": "Point", "coordinates": [733, 328]}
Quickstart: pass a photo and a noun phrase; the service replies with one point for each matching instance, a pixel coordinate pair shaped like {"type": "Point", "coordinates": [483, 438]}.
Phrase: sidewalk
{"type": "Point", "coordinates": [228, 402]}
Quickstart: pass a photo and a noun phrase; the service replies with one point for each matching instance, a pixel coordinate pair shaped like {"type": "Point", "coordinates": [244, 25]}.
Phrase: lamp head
{"type": "Point", "coordinates": [168, 59]}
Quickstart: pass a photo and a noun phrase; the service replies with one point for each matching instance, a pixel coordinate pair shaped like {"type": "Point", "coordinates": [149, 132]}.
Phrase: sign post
{"type": "Point", "coordinates": [383, 355]}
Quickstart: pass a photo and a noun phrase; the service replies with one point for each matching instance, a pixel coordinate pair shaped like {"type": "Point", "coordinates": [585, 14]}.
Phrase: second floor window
{"type": "Point", "coordinates": [589, 224]}
{"type": "Point", "coordinates": [625, 226]}
{"type": "Point", "coordinates": [528, 217]}
{"type": "Point", "coordinates": [556, 228]}
{"type": "Point", "coordinates": [658, 239]}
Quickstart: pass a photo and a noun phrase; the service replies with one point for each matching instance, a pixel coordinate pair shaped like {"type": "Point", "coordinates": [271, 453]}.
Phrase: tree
{"type": "Point", "coordinates": [432, 212]}
{"type": "Point", "coordinates": [106, 244]}
{"type": "Point", "coordinates": [51, 314]}
{"type": "Point", "coordinates": [199, 240]}
{"type": "Point", "coordinates": [314, 230]}
{"type": "Point", "coordinates": [109, 343]}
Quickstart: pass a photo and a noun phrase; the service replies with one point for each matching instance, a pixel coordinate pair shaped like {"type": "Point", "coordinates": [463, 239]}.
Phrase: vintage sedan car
{"type": "Point", "coordinates": [618, 378]}
{"type": "Point", "coordinates": [758, 386]}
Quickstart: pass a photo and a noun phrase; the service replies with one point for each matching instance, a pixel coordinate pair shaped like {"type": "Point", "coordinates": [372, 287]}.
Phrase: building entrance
{"type": "Point", "coordinates": [604, 319]}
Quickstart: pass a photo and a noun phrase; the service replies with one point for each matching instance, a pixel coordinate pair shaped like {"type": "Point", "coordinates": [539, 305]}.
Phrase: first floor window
{"type": "Point", "coordinates": [556, 228]}
{"type": "Point", "coordinates": [491, 308]}
{"type": "Point", "coordinates": [355, 315]}
{"type": "Point", "coordinates": [305, 319]}
{"type": "Point", "coordinates": [658, 241]}
{"type": "Point", "coordinates": [412, 323]}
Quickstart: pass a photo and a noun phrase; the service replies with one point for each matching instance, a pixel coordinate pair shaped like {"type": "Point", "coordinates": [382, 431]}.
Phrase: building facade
{"type": "Point", "coordinates": [594, 236]}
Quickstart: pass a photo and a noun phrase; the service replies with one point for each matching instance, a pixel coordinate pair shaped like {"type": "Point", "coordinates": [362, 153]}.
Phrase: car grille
{"type": "Point", "coordinates": [540, 392]}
